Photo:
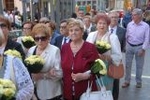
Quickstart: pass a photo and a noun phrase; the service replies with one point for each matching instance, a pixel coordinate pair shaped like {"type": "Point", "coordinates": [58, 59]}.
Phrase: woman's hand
{"type": "Point", "coordinates": [37, 77]}
{"type": "Point", "coordinates": [52, 72]}
{"type": "Point", "coordinates": [80, 76]}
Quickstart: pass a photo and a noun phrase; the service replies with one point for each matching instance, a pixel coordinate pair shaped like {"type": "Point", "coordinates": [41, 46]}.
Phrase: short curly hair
{"type": "Point", "coordinates": [102, 16]}
{"type": "Point", "coordinates": [74, 22]}
{"type": "Point", "coordinates": [41, 28]}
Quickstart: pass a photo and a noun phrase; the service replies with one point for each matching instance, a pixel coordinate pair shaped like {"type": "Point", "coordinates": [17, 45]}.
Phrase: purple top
{"type": "Point", "coordinates": [138, 33]}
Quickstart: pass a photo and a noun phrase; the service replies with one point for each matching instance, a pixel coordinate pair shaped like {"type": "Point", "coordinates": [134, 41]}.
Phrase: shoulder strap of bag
{"type": "Point", "coordinates": [101, 83]}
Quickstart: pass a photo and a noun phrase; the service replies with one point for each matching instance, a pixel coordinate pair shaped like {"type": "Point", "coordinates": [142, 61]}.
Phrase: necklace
{"type": "Point", "coordinates": [76, 47]}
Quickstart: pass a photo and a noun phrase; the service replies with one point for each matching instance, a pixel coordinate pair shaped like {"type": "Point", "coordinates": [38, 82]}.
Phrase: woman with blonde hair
{"type": "Point", "coordinates": [76, 59]}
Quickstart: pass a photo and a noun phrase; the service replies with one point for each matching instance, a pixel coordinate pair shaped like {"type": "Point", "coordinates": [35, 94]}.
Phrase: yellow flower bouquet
{"type": "Point", "coordinates": [102, 46]}
{"type": "Point", "coordinates": [34, 63]}
{"type": "Point", "coordinates": [99, 68]}
{"type": "Point", "coordinates": [7, 90]}
{"type": "Point", "coordinates": [28, 41]}
{"type": "Point", "coordinates": [13, 52]}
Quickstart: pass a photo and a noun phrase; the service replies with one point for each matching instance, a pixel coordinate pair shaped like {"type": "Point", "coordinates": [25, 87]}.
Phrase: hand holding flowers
{"type": "Point", "coordinates": [28, 41]}
{"type": "Point", "coordinates": [34, 63]}
{"type": "Point", "coordinates": [102, 46]}
{"type": "Point", "coordinates": [7, 89]}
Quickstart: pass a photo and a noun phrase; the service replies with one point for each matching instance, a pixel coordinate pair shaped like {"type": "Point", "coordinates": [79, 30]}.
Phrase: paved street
{"type": "Point", "coordinates": [133, 93]}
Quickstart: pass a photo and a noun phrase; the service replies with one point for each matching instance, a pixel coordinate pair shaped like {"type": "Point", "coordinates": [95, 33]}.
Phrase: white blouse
{"type": "Point", "coordinates": [51, 87]}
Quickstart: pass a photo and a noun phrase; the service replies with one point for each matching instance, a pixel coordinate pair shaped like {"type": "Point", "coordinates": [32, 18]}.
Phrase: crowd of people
{"type": "Point", "coordinates": [70, 51]}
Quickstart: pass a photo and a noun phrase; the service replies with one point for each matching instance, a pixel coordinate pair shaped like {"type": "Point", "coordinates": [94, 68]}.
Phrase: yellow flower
{"type": "Point", "coordinates": [7, 89]}
{"type": "Point", "coordinates": [33, 59]}
{"type": "Point", "coordinates": [28, 41]}
{"type": "Point", "coordinates": [102, 46]}
{"type": "Point", "coordinates": [27, 38]}
{"type": "Point", "coordinates": [34, 63]}
{"type": "Point", "coordinates": [13, 52]}
{"type": "Point", "coordinates": [108, 46]}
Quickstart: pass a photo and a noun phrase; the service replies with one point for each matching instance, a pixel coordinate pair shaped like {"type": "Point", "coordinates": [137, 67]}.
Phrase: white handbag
{"type": "Point", "coordinates": [102, 94]}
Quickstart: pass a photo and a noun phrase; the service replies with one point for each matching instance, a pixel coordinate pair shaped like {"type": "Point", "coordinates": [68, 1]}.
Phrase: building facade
{"type": "Point", "coordinates": [61, 9]}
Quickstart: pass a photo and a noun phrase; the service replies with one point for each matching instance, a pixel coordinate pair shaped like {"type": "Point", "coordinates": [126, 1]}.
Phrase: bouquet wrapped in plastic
{"type": "Point", "coordinates": [13, 52]}
{"type": "Point", "coordinates": [27, 41]}
{"type": "Point", "coordinates": [99, 68]}
{"type": "Point", "coordinates": [102, 46]}
{"type": "Point", "coordinates": [34, 63]}
{"type": "Point", "coordinates": [7, 90]}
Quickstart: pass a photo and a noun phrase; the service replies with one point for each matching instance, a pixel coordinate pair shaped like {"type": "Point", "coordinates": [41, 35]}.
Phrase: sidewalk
{"type": "Point", "coordinates": [133, 93]}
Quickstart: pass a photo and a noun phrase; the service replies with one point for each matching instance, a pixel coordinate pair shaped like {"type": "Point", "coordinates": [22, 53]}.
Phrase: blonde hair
{"type": "Point", "coordinates": [74, 22]}
{"type": "Point", "coordinates": [41, 28]}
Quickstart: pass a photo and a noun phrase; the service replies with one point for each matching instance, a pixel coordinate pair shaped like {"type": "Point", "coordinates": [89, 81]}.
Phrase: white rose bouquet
{"type": "Point", "coordinates": [13, 52]}
{"type": "Point", "coordinates": [102, 46]}
{"type": "Point", "coordinates": [34, 63]}
{"type": "Point", "coordinates": [7, 90]}
{"type": "Point", "coordinates": [99, 68]}
{"type": "Point", "coordinates": [28, 41]}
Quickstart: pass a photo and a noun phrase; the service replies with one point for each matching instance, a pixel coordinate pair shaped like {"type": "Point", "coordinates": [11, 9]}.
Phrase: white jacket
{"type": "Point", "coordinates": [49, 88]}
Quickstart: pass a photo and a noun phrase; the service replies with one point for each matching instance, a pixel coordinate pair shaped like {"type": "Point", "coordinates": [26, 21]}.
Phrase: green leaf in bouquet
{"type": "Point", "coordinates": [99, 67]}
{"type": "Point", "coordinates": [96, 68]}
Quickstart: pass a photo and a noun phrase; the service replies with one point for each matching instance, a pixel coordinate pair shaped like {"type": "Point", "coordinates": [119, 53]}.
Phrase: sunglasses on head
{"type": "Point", "coordinates": [41, 38]}
{"type": "Point", "coordinates": [3, 25]}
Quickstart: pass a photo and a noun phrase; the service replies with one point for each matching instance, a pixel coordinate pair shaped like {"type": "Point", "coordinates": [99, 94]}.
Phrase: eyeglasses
{"type": "Point", "coordinates": [3, 25]}
{"type": "Point", "coordinates": [42, 38]}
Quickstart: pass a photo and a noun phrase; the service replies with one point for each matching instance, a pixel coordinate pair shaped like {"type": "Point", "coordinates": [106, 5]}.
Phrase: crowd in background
{"type": "Point", "coordinates": [69, 50]}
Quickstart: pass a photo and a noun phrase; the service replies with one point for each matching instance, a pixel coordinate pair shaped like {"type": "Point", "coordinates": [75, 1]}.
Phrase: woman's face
{"type": "Point", "coordinates": [26, 29]}
{"type": "Point", "coordinates": [41, 40]}
{"type": "Point", "coordinates": [5, 29]}
{"type": "Point", "coordinates": [102, 25]}
{"type": "Point", "coordinates": [75, 33]}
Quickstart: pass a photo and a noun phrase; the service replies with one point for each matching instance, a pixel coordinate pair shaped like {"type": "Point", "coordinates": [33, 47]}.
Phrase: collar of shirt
{"type": "Point", "coordinates": [67, 39]}
{"type": "Point", "coordinates": [89, 28]}
{"type": "Point", "coordinates": [140, 23]}
{"type": "Point", "coordinates": [114, 29]}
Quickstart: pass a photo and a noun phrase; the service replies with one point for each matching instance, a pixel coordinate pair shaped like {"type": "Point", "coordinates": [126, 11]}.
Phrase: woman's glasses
{"type": "Point", "coordinates": [41, 38]}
